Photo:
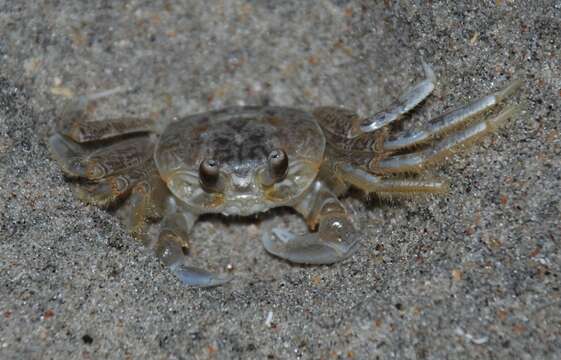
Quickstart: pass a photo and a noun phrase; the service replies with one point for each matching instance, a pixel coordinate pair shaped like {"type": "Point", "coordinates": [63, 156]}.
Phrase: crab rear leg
{"type": "Point", "coordinates": [335, 239]}
{"type": "Point", "coordinates": [409, 100]}
{"type": "Point", "coordinates": [74, 123]}
{"type": "Point", "coordinates": [77, 161]}
{"type": "Point", "coordinates": [387, 186]}
{"type": "Point", "coordinates": [417, 161]}
{"type": "Point", "coordinates": [452, 119]}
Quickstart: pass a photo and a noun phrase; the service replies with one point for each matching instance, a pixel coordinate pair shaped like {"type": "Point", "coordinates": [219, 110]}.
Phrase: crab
{"type": "Point", "coordinates": [246, 160]}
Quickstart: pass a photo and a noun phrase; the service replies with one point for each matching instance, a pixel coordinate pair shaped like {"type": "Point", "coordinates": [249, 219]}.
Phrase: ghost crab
{"type": "Point", "coordinates": [245, 160]}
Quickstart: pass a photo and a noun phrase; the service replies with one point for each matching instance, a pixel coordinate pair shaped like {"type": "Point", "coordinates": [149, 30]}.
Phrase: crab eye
{"type": "Point", "coordinates": [276, 167]}
{"type": "Point", "coordinates": [209, 175]}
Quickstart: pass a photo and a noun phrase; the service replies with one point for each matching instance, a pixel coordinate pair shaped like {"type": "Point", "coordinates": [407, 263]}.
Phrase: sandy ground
{"type": "Point", "coordinates": [474, 274]}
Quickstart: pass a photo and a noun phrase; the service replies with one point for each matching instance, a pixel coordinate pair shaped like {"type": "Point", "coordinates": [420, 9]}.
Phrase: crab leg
{"type": "Point", "coordinates": [76, 161]}
{"type": "Point", "coordinates": [375, 184]}
{"type": "Point", "coordinates": [73, 122]}
{"type": "Point", "coordinates": [417, 161]}
{"type": "Point", "coordinates": [106, 191]}
{"type": "Point", "coordinates": [451, 119]}
{"type": "Point", "coordinates": [406, 103]}
{"type": "Point", "coordinates": [148, 199]}
{"type": "Point", "coordinates": [335, 239]}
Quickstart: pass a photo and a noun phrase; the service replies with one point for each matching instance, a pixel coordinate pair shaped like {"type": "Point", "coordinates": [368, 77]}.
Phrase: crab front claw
{"type": "Point", "coordinates": [195, 277]}
{"type": "Point", "coordinates": [171, 247]}
{"type": "Point", "coordinates": [335, 240]}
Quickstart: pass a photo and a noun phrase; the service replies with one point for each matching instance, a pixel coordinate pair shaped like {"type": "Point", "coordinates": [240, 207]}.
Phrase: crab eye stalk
{"type": "Point", "coordinates": [209, 175]}
{"type": "Point", "coordinates": [277, 166]}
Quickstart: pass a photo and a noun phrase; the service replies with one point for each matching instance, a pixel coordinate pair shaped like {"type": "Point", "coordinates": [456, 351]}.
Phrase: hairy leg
{"type": "Point", "coordinates": [77, 161]}
{"type": "Point", "coordinates": [417, 161]}
{"type": "Point", "coordinates": [451, 120]}
{"type": "Point", "coordinates": [370, 183]}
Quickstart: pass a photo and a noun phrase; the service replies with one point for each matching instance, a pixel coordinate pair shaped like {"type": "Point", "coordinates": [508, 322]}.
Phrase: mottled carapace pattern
{"type": "Point", "coordinates": [239, 138]}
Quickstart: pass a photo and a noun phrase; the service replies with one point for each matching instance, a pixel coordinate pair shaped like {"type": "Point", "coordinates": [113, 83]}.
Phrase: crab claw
{"type": "Point", "coordinates": [170, 251]}
{"type": "Point", "coordinates": [195, 277]}
{"type": "Point", "coordinates": [171, 247]}
{"type": "Point", "coordinates": [335, 241]}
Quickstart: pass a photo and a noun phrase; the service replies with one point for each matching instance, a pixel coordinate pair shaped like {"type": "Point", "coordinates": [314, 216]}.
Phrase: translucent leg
{"type": "Point", "coordinates": [451, 119]}
{"type": "Point", "coordinates": [67, 154]}
{"type": "Point", "coordinates": [417, 161]}
{"type": "Point", "coordinates": [335, 239]}
{"type": "Point", "coordinates": [73, 121]}
{"type": "Point", "coordinates": [76, 161]}
{"type": "Point", "coordinates": [106, 191]}
{"type": "Point", "coordinates": [374, 184]}
{"type": "Point", "coordinates": [406, 103]}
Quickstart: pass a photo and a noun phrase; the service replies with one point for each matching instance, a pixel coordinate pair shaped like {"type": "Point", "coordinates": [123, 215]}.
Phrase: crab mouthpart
{"type": "Point", "coordinates": [244, 204]}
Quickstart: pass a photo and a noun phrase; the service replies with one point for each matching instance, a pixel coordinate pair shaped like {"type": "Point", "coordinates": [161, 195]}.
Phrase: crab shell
{"type": "Point", "coordinates": [240, 139]}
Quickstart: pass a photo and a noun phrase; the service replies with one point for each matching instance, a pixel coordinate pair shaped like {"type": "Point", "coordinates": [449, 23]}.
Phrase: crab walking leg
{"type": "Point", "coordinates": [417, 161]}
{"type": "Point", "coordinates": [374, 184]}
{"type": "Point", "coordinates": [335, 239]}
{"type": "Point", "coordinates": [84, 131]}
{"type": "Point", "coordinates": [106, 191]}
{"type": "Point", "coordinates": [77, 161]}
{"type": "Point", "coordinates": [149, 199]}
{"type": "Point", "coordinates": [450, 120]}
{"type": "Point", "coordinates": [406, 103]}
{"type": "Point", "coordinates": [73, 121]}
